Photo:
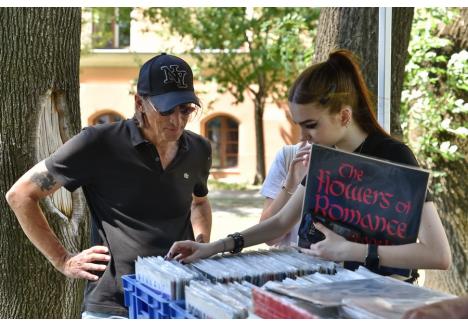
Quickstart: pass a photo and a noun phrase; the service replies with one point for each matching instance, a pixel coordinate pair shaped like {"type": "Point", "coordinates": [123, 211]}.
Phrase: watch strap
{"type": "Point", "coordinates": [372, 259]}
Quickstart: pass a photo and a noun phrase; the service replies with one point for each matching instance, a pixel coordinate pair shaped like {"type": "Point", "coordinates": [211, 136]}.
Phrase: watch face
{"type": "Point", "coordinates": [372, 263]}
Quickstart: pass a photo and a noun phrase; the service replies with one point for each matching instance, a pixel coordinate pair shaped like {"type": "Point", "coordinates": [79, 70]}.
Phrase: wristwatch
{"type": "Point", "coordinates": [372, 259]}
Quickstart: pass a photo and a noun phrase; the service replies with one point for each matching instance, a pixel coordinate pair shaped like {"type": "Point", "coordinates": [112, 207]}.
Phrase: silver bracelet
{"type": "Point", "coordinates": [287, 191]}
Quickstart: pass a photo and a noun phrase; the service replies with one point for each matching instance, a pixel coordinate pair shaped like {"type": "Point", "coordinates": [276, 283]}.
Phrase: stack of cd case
{"type": "Point", "coordinates": [166, 276]}
{"type": "Point", "coordinates": [255, 267]}
{"type": "Point", "coordinates": [259, 267]}
{"type": "Point", "coordinates": [204, 299]}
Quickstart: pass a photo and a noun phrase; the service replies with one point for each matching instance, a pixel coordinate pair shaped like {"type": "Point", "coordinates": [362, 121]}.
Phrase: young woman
{"type": "Point", "coordinates": [332, 104]}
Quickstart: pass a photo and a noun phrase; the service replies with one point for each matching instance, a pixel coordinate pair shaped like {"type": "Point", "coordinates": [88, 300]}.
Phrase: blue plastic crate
{"type": "Point", "coordinates": [178, 311]}
{"type": "Point", "coordinates": [144, 302]}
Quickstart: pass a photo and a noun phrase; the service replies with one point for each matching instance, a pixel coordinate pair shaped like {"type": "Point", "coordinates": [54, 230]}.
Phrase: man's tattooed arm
{"type": "Point", "coordinates": [44, 180]}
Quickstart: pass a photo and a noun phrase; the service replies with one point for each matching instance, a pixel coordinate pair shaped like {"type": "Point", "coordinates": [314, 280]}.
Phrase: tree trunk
{"type": "Point", "coordinates": [402, 19]}
{"type": "Point", "coordinates": [451, 203]}
{"type": "Point", "coordinates": [39, 111]}
{"type": "Point", "coordinates": [453, 210]}
{"type": "Point", "coordinates": [458, 31]}
{"type": "Point", "coordinates": [356, 29]}
{"type": "Point", "coordinates": [259, 140]}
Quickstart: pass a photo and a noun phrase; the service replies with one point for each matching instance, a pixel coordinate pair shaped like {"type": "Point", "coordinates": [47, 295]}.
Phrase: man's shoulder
{"type": "Point", "coordinates": [106, 130]}
{"type": "Point", "coordinates": [196, 139]}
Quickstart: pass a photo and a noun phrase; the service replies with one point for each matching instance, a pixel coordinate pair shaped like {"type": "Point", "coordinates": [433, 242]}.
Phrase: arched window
{"type": "Point", "coordinates": [223, 133]}
{"type": "Point", "coordinates": [106, 117]}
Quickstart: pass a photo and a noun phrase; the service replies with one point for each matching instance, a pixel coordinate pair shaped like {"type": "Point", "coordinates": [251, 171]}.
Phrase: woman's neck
{"type": "Point", "coordinates": [353, 138]}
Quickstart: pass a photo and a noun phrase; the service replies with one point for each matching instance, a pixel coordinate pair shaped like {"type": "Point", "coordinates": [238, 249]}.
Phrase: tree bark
{"type": "Point", "coordinates": [39, 111]}
{"type": "Point", "coordinates": [451, 203]}
{"type": "Point", "coordinates": [402, 19]}
{"type": "Point", "coordinates": [356, 29]}
{"type": "Point", "coordinates": [458, 31]}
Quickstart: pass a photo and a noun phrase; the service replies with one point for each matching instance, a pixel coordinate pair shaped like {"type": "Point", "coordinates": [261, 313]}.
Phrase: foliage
{"type": "Point", "coordinates": [255, 51]}
{"type": "Point", "coordinates": [434, 98]}
{"type": "Point", "coordinates": [259, 50]}
{"type": "Point", "coordinates": [110, 25]}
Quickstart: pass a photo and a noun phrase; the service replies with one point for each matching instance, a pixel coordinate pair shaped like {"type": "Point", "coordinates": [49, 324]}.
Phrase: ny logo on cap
{"type": "Point", "coordinates": [174, 75]}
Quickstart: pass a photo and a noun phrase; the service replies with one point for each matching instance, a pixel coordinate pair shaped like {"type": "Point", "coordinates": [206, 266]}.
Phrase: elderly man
{"type": "Point", "coordinates": [145, 182]}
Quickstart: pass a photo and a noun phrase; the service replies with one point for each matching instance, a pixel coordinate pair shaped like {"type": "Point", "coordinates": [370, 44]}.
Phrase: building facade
{"type": "Point", "coordinates": [113, 51]}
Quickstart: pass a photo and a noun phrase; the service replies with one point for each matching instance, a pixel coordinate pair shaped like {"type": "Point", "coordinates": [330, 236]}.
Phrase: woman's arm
{"type": "Point", "coordinates": [294, 175]}
{"type": "Point", "coordinates": [431, 252]}
{"type": "Point", "coordinates": [274, 227]}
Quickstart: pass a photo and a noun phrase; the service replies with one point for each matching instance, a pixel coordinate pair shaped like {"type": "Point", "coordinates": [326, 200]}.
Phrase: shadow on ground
{"type": "Point", "coordinates": [241, 203]}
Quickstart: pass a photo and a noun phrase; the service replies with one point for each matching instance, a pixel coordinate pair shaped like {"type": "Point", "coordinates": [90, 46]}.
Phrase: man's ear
{"type": "Point", "coordinates": [346, 114]}
{"type": "Point", "coordinates": [138, 103]}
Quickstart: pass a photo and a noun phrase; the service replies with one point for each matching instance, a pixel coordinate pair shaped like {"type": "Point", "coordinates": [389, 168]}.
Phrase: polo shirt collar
{"type": "Point", "coordinates": [135, 133]}
{"type": "Point", "coordinates": [183, 143]}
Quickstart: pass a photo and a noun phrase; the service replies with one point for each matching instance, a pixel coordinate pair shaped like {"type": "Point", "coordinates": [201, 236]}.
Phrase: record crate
{"type": "Point", "coordinates": [145, 302]}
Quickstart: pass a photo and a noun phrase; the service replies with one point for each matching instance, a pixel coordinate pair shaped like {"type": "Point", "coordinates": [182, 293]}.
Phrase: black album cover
{"type": "Point", "coordinates": [363, 199]}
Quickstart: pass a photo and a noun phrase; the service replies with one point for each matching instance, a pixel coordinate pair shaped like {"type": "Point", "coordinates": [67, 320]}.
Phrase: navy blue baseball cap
{"type": "Point", "coordinates": [168, 81]}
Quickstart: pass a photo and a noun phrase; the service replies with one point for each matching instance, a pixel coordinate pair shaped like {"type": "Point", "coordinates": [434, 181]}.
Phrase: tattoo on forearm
{"type": "Point", "coordinates": [44, 180]}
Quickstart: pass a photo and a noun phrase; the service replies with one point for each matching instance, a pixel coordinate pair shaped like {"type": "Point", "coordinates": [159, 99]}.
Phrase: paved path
{"type": "Point", "coordinates": [234, 211]}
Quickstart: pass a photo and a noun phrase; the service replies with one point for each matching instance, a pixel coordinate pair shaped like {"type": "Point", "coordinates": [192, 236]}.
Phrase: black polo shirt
{"type": "Point", "coordinates": [137, 208]}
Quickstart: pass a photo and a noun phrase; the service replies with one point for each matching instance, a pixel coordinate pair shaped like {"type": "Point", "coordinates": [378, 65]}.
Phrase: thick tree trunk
{"type": "Point", "coordinates": [356, 29]}
{"type": "Point", "coordinates": [452, 203]}
{"type": "Point", "coordinates": [453, 210]}
{"type": "Point", "coordinates": [39, 111]}
{"type": "Point", "coordinates": [458, 31]}
{"type": "Point", "coordinates": [402, 19]}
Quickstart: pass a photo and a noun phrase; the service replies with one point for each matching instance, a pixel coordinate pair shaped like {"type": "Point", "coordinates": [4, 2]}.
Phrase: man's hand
{"type": "Point", "coordinates": [200, 238]}
{"type": "Point", "coordinates": [80, 265]}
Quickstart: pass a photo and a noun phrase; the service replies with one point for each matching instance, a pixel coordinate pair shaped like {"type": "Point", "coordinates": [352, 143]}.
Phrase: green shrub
{"type": "Point", "coordinates": [433, 109]}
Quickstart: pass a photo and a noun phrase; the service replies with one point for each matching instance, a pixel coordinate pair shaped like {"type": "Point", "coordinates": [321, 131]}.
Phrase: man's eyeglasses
{"type": "Point", "coordinates": [184, 109]}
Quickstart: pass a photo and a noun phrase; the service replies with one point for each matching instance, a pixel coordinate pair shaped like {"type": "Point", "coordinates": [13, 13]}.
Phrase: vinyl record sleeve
{"type": "Point", "coordinates": [361, 198]}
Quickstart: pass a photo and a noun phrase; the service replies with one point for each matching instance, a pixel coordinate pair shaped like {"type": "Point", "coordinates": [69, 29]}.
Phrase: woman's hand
{"type": "Point", "coordinates": [334, 247]}
{"type": "Point", "coordinates": [189, 251]}
{"type": "Point", "coordinates": [299, 166]}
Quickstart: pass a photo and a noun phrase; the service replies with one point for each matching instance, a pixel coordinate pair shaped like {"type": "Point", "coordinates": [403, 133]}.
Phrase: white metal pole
{"type": "Point", "coordinates": [384, 67]}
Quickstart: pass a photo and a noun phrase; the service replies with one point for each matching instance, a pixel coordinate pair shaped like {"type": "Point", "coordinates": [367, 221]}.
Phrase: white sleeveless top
{"type": "Point", "coordinates": [273, 182]}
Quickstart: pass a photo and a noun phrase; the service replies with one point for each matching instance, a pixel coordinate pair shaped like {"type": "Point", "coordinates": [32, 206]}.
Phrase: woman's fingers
{"type": "Point", "coordinates": [322, 228]}
{"type": "Point", "coordinates": [180, 248]}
